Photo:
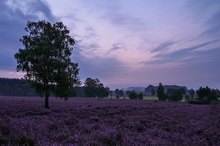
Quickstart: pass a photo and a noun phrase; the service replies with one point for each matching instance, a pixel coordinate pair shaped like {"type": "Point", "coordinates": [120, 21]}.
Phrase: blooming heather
{"type": "Point", "coordinates": [89, 121]}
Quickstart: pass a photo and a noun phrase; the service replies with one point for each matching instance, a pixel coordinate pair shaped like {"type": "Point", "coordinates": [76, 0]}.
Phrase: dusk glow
{"type": "Point", "coordinates": [125, 42]}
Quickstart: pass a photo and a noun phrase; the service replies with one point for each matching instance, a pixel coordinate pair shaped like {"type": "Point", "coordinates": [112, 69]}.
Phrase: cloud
{"type": "Point", "coordinates": [181, 55]}
{"type": "Point", "coordinates": [213, 26]}
{"type": "Point", "coordinates": [114, 12]}
{"type": "Point", "coordinates": [207, 12]}
{"type": "Point", "coordinates": [14, 16]}
{"type": "Point", "coordinates": [162, 47]}
{"type": "Point", "coordinates": [105, 68]}
{"type": "Point", "coordinates": [114, 48]}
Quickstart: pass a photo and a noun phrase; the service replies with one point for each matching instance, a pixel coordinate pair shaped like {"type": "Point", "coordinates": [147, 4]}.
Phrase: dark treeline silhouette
{"type": "Point", "coordinates": [22, 87]}
{"type": "Point", "coordinates": [204, 95]}
{"type": "Point", "coordinates": [15, 87]}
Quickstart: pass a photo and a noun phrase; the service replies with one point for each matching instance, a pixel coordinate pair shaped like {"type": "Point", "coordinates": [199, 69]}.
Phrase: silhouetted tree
{"type": "Point", "coordinates": [207, 95]}
{"type": "Point", "coordinates": [110, 93]}
{"type": "Point", "coordinates": [94, 88]}
{"type": "Point", "coordinates": [132, 95]}
{"type": "Point", "coordinates": [175, 95]}
{"type": "Point", "coordinates": [121, 93]}
{"type": "Point", "coordinates": [140, 96]}
{"type": "Point", "coordinates": [90, 86]}
{"type": "Point", "coordinates": [102, 92]}
{"type": "Point", "coordinates": [192, 93]}
{"type": "Point", "coordinates": [46, 59]}
{"type": "Point", "coordinates": [117, 93]}
{"type": "Point", "coordinates": [153, 92]}
{"type": "Point", "coordinates": [161, 92]}
{"type": "Point", "coordinates": [203, 92]}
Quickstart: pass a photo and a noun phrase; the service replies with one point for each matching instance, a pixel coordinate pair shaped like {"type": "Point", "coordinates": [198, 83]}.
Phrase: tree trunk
{"type": "Point", "coordinates": [46, 100]}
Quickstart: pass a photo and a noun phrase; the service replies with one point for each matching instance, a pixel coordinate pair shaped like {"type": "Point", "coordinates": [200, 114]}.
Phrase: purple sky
{"type": "Point", "coordinates": [126, 42]}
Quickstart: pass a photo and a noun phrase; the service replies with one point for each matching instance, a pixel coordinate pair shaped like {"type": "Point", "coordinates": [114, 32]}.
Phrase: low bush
{"type": "Point", "coordinates": [195, 101]}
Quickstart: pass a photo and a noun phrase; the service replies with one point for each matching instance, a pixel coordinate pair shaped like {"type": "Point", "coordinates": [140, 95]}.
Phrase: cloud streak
{"type": "Point", "coordinates": [181, 55]}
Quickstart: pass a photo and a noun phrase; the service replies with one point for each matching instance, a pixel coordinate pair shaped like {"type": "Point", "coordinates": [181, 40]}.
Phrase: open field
{"type": "Point", "coordinates": [84, 121]}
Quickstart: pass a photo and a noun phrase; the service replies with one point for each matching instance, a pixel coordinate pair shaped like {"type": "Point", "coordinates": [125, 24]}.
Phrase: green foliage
{"type": "Point", "coordinates": [187, 97]}
{"type": "Point", "coordinates": [15, 87]}
{"type": "Point", "coordinates": [132, 95]}
{"type": "Point", "coordinates": [102, 92]}
{"type": "Point", "coordinates": [203, 92]}
{"type": "Point", "coordinates": [46, 59]}
{"type": "Point", "coordinates": [175, 95]}
{"type": "Point", "coordinates": [94, 88]}
{"type": "Point", "coordinates": [161, 92]}
{"type": "Point", "coordinates": [207, 95]}
{"type": "Point", "coordinates": [195, 101]}
{"type": "Point", "coordinates": [153, 92]}
{"type": "Point", "coordinates": [119, 93]}
{"type": "Point", "coordinates": [192, 93]}
{"type": "Point", "coordinates": [140, 96]}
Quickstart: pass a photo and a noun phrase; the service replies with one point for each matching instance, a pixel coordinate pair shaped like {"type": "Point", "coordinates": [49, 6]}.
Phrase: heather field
{"type": "Point", "coordinates": [89, 121]}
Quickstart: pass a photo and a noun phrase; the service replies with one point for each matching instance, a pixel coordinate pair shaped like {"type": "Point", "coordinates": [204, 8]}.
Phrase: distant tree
{"type": "Point", "coordinates": [187, 97]}
{"type": "Point", "coordinates": [218, 92]}
{"type": "Point", "coordinates": [203, 92]}
{"type": "Point", "coordinates": [176, 95]}
{"type": "Point", "coordinates": [90, 86]}
{"type": "Point", "coordinates": [117, 93]}
{"type": "Point", "coordinates": [140, 96]}
{"type": "Point", "coordinates": [46, 59]}
{"type": "Point", "coordinates": [110, 93]}
{"type": "Point", "coordinates": [94, 88]}
{"type": "Point", "coordinates": [213, 96]}
{"type": "Point", "coordinates": [192, 93]}
{"type": "Point", "coordinates": [161, 92]}
{"type": "Point", "coordinates": [132, 95]}
{"type": "Point", "coordinates": [153, 92]}
{"type": "Point", "coordinates": [207, 95]}
{"type": "Point", "coordinates": [183, 91]}
{"type": "Point", "coordinates": [169, 91]}
{"type": "Point", "coordinates": [121, 93]}
{"type": "Point", "coordinates": [127, 92]}
{"type": "Point", "coordinates": [108, 90]}
{"type": "Point", "coordinates": [102, 92]}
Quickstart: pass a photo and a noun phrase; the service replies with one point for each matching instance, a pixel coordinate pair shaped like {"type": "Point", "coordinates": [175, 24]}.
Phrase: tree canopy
{"type": "Point", "coordinates": [207, 95]}
{"type": "Point", "coordinates": [161, 92]}
{"type": "Point", "coordinates": [46, 59]}
{"type": "Point", "coordinates": [94, 88]}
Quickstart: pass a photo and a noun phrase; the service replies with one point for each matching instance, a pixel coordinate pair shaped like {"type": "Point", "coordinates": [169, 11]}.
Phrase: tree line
{"type": "Point", "coordinates": [204, 95]}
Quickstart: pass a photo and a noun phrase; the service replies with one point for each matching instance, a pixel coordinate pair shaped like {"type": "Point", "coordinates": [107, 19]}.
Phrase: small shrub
{"type": "Point", "coordinates": [132, 95]}
{"type": "Point", "coordinates": [187, 97]}
{"type": "Point", "coordinates": [140, 96]}
{"type": "Point", "coordinates": [195, 101]}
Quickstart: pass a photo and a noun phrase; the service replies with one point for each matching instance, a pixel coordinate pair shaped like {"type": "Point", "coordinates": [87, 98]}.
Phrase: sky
{"type": "Point", "coordinates": [125, 43]}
